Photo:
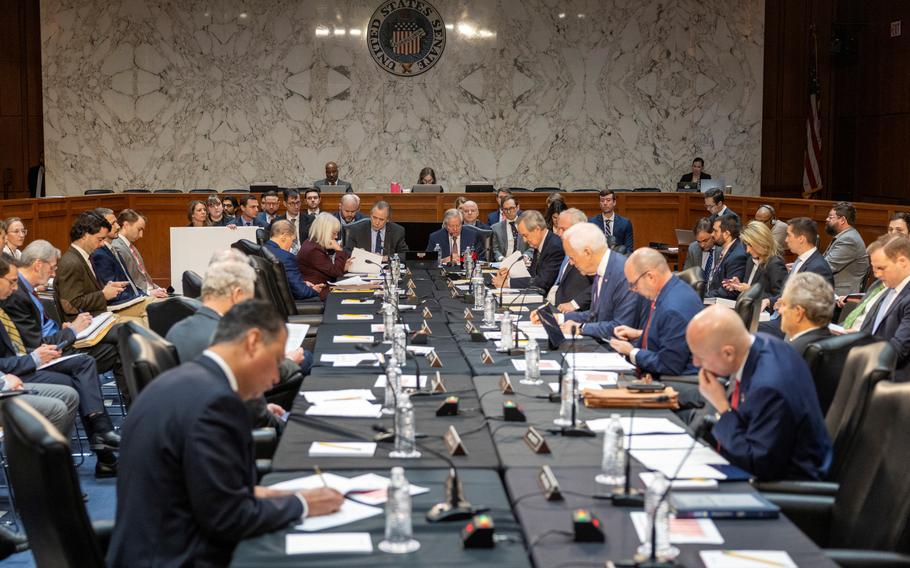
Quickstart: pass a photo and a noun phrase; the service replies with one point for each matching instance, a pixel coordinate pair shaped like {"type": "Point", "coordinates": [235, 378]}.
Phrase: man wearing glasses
{"type": "Point", "coordinates": [506, 238]}
{"type": "Point", "coordinates": [380, 235]}
{"type": "Point", "coordinates": [846, 255]}
{"type": "Point", "coordinates": [714, 203]}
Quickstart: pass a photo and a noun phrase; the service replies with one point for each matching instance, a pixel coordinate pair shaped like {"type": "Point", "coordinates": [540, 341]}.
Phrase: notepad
{"type": "Point", "coordinates": [599, 362]}
{"type": "Point", "coordinates": [682, 531]}
{"type": "Point", "coordinates": [296, 334]}
{"type": "Point", "coordinates": [346, 409]}
{"type": "Point", "coordinates": [352, 359]}
{"type": "Point", "coordinates": [407, 381]}
{"type": "Point", "coordinates": [343, 449]}
{"type": "Point", "coordinates": [379, 494]}
{"type": "Point", "coordinates": [353, 339]}
{"type": "Point", "coordinates": [647, 477]}
{"type": "Point", "coordinates": [746, 559]}
{"type": "Point", "coordinates": [380, 327]}
{"type": "Point", "coordinates": [416, 350]}
{"type": "Point", "coordinates": [355, 301]}
{"type": "Point", "coordinates": [350, 512]}
{"type": "Point", "coordinates": [320, 397]}
{"type": "Point", "coordinates": [640, 425]}
{"type": "Point", "coordinates": [545, 365]}
{"type": "Point", "coordinates": [56, 361]}
{"type": "Point", "coordinates": [355, 317]}
{"type": "Point", "coordinates": [329, 543]}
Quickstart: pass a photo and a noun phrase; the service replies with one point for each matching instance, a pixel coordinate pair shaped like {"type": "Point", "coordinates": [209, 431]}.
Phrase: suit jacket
{"type": "Point", "coordinates": [732, 264]}
{"type": "Point", "coordinates": [12, 362]}
{"type": "Point", "coordinates": [111, 268]}
{"type": "Point", "coordinates": [895, 329]}
{"type": "Point", "coordinates": [187, 473]}
{"type": "Point", "coordinates": [771, 275]}
{"type": "Point", "coordinates": [688, 177]}
{"type": "Point", "coordinates": [815, 263]}
{"type": "Point", "coordinates": [493, 218]}
{"type": "Point", "coordinates": [357, 217]}
{"type": "Point", "coordinates": [299, 289]}
{"type": "Point", "coordinates": [25, 314]}
{"type": "Point", "coordinates": [501, 242]}
{"type": "Point", "coordinates": [317, 266]}
{"type": "Point", "coordinates": [695, 255]}
{"type": "Point", "coordinates": [193, 335]}
{"type": "Point", "coordinates": [778, 431]}
{"type": "Point", "coordinates": [77, 287]}
{"type": "Point", "coordinates": [361, 236]}
{"type": "Point", "coordinates": [264, 218]}
{"type": "Point", "coordinates": [803, 341]}
{"type": "Point", "coordinates": [574, 286]}
{"type": "Point", "coordinates": [616, 304]}
{"type": "Point", "coordinates": [545, 264]}
{"type": "Point", "coordinates": [338, 183]}
{"type": "Point", "coordinates": [256, 222]}
{"type": "Point", "coordinates": [304, 221]}
{"type": "Point", "coordinates": [667, 352]}
{"type": "Point", "coordinates": [132, 267]}
{"type": "Point", "coordinates": [846, 255]}
{"type": "Point", "coordinates": [441, 237]}
{"type": "Point", "coordinates": [731, 213]}
{"type": "Point", "coordinates": [621, 230]}
{"type": "Point", "coordinates": [479, 225]}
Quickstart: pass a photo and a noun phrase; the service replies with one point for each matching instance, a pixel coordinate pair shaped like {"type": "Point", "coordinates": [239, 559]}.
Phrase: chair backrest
{"type": "Point", "coordinates": [235, 191]}
{"type": "Point", "coordinates": [282, 286]}
{"type": "Point", "coordinates": [343, 234]}
{"type": "Point", "coordinates": [514, 189]}
{"type": "Point", "coordinates": [97, 191]}
{"type": "Point", "coordinates": [483, 239]}
{"type": "Point", "coordinates": [200, 190]}
{"type": "Point", "coordinates": [866, 365]}
{"type": "Point", "coordinates": [748, 306]}
{"type": "Point", "coordinates": [192, 284]}
{"type": "Point", "coordinates": [586, 190]}
{"type": "Point", "coordinates": [144, 355]}
{"type": "Point", "coordinates": [47, 490]}
{"type": "Point", "coordinates": [167, 191]}
{"type": "Point", "coordinates": [163, 314]}
{"type": "Point", "coordinates": [694, 277]}
{"type": "Point", "coordinates": [137, 190]}
{"type": "Point", "coordinates": [547, 189]}
{"type": "Point", "coordinates": [872, 506]}
{"type": "Point", "coordinates": [826, 359]}
{"type": "Point", "coordinates": [647, 189]}
{"type": "Point", "coordinates": [266, 287]}
{"type": "Point", "coordinates": [262, 236]}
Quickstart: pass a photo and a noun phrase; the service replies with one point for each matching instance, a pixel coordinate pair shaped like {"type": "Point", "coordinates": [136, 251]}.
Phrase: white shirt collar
{"type": "Point", "coordinates": [738, 375]}
{"type": "Point", "coordinates": [610, 218]}
{"type": "Point", "coordinates": [805, 256]}
{"type": "Point", "coordinates": [901, 286]}
{"type": "Point", "coordinates": [602, 267]}
{"type": "Point", "coordinates": [228, 372]}
{"type": "Point", "coordinates": [82, 253]}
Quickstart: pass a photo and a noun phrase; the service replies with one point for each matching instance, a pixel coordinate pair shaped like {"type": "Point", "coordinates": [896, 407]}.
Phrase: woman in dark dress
{"type": "Point", "coordinates": [764, 265]}
{"type": "Point", "coordinates": [321, 258]}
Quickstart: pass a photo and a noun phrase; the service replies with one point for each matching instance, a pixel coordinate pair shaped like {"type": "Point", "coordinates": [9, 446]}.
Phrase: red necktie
{"type": "Point", "coordinates": [734, 402]}
{"type": "Point", "coordinates": [644, 338]}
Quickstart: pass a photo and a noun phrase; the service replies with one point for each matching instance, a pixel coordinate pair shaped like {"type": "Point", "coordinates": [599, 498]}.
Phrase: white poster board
{"type": "Point", "coordinates": [192, 248]}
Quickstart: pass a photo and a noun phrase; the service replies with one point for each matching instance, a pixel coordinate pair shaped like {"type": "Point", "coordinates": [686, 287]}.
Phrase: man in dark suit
{"type": "Point", "coordinates": [248, 216]}
{"type": "Point", "coordinates": [806, 307]}
{"type": "Point", "coordinates": [572, 289]}
{"type": "Point", "coordinates": [269, 207]}
{"type": "Point", "coordinates": [331, 180]}
{"type": "Point", "coordinates": [703, 251]}
{"type": "Point", "coordinates": [470, 215]}
{"type": "Point", "coordinates": [617, 229]}
{"type": "Point", "coordinates": [109, 265]}
{"type": "Point", "coordinates": [659, 346]}
{"type": "Point", "coordinates": [380, 235]}
{"type": "Point", "coordinates": [889, 319]}
{"type": "Point", "coordinates": [36, 187]}
{"type": "Point", "coordinates": [714, 203]}
{"type": "Point", "coordinates": [612, 302]}
{"type": "Point", "coordinates": [697, 173]}
{"type": "Point", "coordinates": [772, 426]}
{"type": "Point", "coordinates": [349, 209]}
{"type": "Point", "coordinates": [300, 221]}
{"type": "Point", "coordinates": [732, 261]}
{"type": "Point", "coordinates": [496, 216]}
{"type": "Point", "coordinates": [546, 256]}
{"type": "Point", "coordinates": [188, 493]}
{"type": "Point", "coordinates": [282, 238]}
{"type": "Point", "coordinates": [132, 230]}
{"type": "Point", "coordinates": [450, 238]}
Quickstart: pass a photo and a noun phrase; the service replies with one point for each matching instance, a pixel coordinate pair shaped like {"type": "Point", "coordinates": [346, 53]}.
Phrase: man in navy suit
{"type": "Point", "coordinates": [496, 216]}
{"type": "Point", "coordinates": [349, 209]}
{"type": "Point", "coordinates": [612, 302]}
{"type": "Point", "coordinates": [470, 215]}
{"type": "Point", "coordinates": [249, 213]}
{"type": "Point", "coordinates": [546, 256]}
{"type": "Point", "coordinates": [802, 234]}
{"type": "Point", "coordinates": [572, 289]}
{"type": "Point", "coordinates": [618, 230]}
{"type": "Point", "coordinates": [269, 207]}
{"type": "Point", "coordinates": [889, 319]}
{"type": "Point", "coordinates": [280, 243]}
{"type": "Point", "coordinates": [772, 426]}
{"type": "Point", "coordinates": [188, 491]}
{"type": "Point", "coordinates": [659, 346]}
{"type": "Point", "coordinates": [451, 239]}
{"type": "Point", "coordinates": [732, 260]}
{"type": "Point", "coordinates": [714, 203]}
{"type": "Point", "coordinates": [108, 264]}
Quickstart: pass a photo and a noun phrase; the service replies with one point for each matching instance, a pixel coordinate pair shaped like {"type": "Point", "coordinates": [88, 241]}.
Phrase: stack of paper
{"type": "Point", "coordinates": [599, 362]}
{"type": "Point", "coordinates": [353, 339]}
{"type": "Point", "coordinates": [296, 334]}
{"type": "Point", "coordinates": [320, 397]}
{"type": "Point", "coordinates": [380, 327]}
{"type": "Point", "coordinates": [545, 365]}
{"type": "Point", "coordinates": [591, 380]}
{"type": "Point", "coordinates": [640, 425]}
{"type": "Point", "coordinates": [357, 408]}
{"type": "Point", "coordinates": [355, 301]}
{"type": "Point", "coordinates": [407, 381]}
{"type": "Point", "coordinates": [697, 465]}
{"type": "Point", "coordinates": [746, 559]}
{"type": "Point", "coordinates": [329, 543]}
{"type": "Point", "coordinates": [352, 359]}
{"type": "Point", "coordinates": [682, 531]}
{"type": "Point", "coordinates": [368, 488]}
{"type": "Point", "coordinates": [97, 326]}
{"type": "Point", "coordinates": [355, 317]}
{"type": "Point", "coordinates": [365, 262]}
{"type": "Point", "coordinates": [342, 449]}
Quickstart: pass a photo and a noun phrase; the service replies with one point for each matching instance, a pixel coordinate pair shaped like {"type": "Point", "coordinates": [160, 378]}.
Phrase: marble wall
{"type": "Point", "coordinates": [574, 93]}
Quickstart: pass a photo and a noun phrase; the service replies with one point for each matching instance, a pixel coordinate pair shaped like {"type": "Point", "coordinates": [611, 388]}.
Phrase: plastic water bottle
{"type": "Point", "coordinates": [613, 462]}
{"type": "Point", "coordinates": [399, 533]}
{"type": "Point", "coordinates": [477, 289]}
{"type": "Point", "coordinates": [392, 386]}
{"type": "Point", "coordinates": [659, 518]}
{"type": "Point", "coordinates": [468, 262]}
{"type": "Point", "coordinates": [396, 268]}
{"type": "Point", "coordinates": [567, 396]}
{"type": "Point", "coordinates": [404, 428]}
{"type": "Point", "coordinates": [399, 344]}
{"type": "Point", "coordinates": [532, 363]}
{"type": "Point", "coordinates": [438, 250]}
{"type": "Point", "coordinates": [505, 332]}
{"type": "Point", "coordinates": [388, 321]}
{"type": "Point", "coordinates": [489, 310]}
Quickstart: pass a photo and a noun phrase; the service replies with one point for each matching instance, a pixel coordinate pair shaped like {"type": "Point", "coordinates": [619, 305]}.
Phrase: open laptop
{"type": "Point", "coordinates": [555, 336]}
{"type": "Point", "coordinates": [427, 188]}
{"type": "Point", "coordinates": [479, 187]}
{"type": "Point", "coordinates": [684, 237]}
{"type": "Point", "coordinates": [687, 186]}
{"type": "Point", "coordinates": [708, 184]}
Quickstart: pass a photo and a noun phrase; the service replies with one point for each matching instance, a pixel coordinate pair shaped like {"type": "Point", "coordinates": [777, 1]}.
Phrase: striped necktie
{"type": "Point", "coordinates": [13, 333]}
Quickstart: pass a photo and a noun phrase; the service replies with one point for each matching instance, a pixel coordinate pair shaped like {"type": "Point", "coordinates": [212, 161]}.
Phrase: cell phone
{"type": "Point", "coordinates": [646, 387]}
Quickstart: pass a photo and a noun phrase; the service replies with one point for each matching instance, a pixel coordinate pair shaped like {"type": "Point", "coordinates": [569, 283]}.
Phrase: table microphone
{"type": "Point", "coordinates": [576, 429]}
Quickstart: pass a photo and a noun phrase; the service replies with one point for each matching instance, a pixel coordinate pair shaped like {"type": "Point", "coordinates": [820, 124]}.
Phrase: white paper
{"type": "Point", "coordinates": [720, 302]}
{"type": "Point", "coordinates": [661, 442]}
{"type": "Point", "coordinates": [407, 381]}
{"type": "Point", "coordinates": [296, 334]}
{"type": "Point", "coordinates": [336, 482]}
{"type": "Point", "coordinates": [353, 281]}
{"type": "Point", "coordinates": [355, 301]}
{"type": "Point", "coordinates": [352, 339]}
{"type": "Point", "coordinates": [521, 298]}
{"type": "Point", "coordinates": [351, 359]}
{"type": "Point", "coordinates": [582, 385]}
{"type": "Point", "coordinates": [57, 360]}
{"type": "Point", "coordinates": [320, 397]}
{"type": "Point", "coordinates": [350, 512]}
{"type": "Point", "coordinates": [328, 543]}
{"type": "Point", "coordinates": [647, 477]}
{"type": "Point", "coordinates": [591, 380]}
{"type": "Point", "coordinates": [96, 324]}
{"type": "Point", "coordinates": [126, 304]}
{"type": "Point", "coordinates": [682, 531]}
{"type": "Point", "coordinates": [599, 362]}
{"type": "Point", "coordinates": [380, 327]}
{"type": "Point", "coordinates": [355, 317]}
{"type": "Point", "coordinates": [545, 365]}
{"type": "Point", "coordinates": [697, 465]}
{"type": "Point", "coordinates": [746, 558]}
{"type": "Point", "coordinates": [346, 409]}
{"type": "Point", "coordinates": [359, 264]}
{"type": "Point", "coordinates": [417, 349]}
{"type": "Point", "coordinates": [517, 268]}
{"type": "Point", "coordinates": [379, 486]}
{"type": "Point", "coordinates": [640, 425]}
{"type": "Point", "coordinates": [342, 449]}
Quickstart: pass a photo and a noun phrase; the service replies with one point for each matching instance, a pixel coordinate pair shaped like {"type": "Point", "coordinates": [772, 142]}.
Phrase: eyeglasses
{"type": "Point", "coordinates": [634, 285]}
{"type": "Point", "coordinates": [12, 281]}
{"type": "Point", "coordinates": [509, 209]}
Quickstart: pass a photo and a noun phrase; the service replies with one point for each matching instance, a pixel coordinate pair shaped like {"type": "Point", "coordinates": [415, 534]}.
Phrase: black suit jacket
{"type": "Point", "coordinates": [361, 236]}
{"type": "Point", "coordinates": [575, 286]}
{"type": "Point", "coordinates": [305, 222]}
{"type": "Point", "coordinates": [770, 275]}
{"type": "Point", "coordinates": [25, 315]}
{"type": "Point", "coordinates": [185, 487]}
{"type": "Point", "coordinates": [803, 341]}
{"type": "Point", "coordinates": [688, 177]}
{"type": "Point", "coordinates": [731, 264]}
{"type": "Point", "coordinates": [545, 265]}
{"type": "Point", "coordinates": [895, 329]}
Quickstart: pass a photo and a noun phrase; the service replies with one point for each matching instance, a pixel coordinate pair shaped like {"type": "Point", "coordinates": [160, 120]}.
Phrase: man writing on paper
{"type": "Point", "coordinates": [546, 255]}
{"type": "Point", "coordinates": [187, 495]}
{"type": "Point", "coordinates": [381, 236]}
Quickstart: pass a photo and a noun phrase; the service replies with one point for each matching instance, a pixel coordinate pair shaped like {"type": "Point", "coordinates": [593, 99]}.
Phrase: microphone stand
{"type": "Point", "coordinates": [576, 429]}
{"type": "Point", "coordinates": [627, 496]}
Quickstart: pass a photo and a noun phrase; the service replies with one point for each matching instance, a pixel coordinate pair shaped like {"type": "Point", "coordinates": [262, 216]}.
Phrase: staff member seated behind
{"type": "Point", "coordinates": [696, 174]}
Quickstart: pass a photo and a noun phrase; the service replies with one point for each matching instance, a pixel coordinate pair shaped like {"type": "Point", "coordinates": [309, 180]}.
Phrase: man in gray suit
{"type": "Point", "coordinates": [506, 238]}
{"type": "Point", "coordinates": [847, 252]}
{"type": "Point", "coordinates": [703, 251]}
{"type": "Point", "coordinates": [132, 228]}
{"type": "Point", "coordinates": [331, 180]}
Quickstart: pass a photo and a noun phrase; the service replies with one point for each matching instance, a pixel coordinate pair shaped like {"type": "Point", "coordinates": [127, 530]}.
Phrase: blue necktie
{"type": "Point", "coordinates": [377, 248]}
{"type": "Point", "coordinates": [709, 264]}
{"type": "Point", "coordinates": [883, 309]}
{"type": "Point", "coordinates": [562, 270]}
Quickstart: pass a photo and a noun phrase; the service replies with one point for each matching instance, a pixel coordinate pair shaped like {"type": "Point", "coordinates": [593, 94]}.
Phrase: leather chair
{"type": "Point", "coordinates": [586, 190]}
{"type": "Point", "coordinates": [483, 239]}
{"type": "Point", "coordinates": [163, 314]}
{"type": "Point", "coordinates": [262, 236]}
{"type": "Point", "coordinates": [546, 189]}
{"type": "Point", "coordinates": [192, 284]}
{"type": "Point", "coordinates": [167, 191]}
{"type": "Point", "coordinates": [239, 191]}
{"type": "Point", "coordinates": [874, 493]}
{"type": "Point", "coordinates": [694, 277]}
{"type": "Point", "coordinates": [144, 355]}
{"type": "Point", "coordinates": [282, 287]}
{"type": "Point", "coordinates": [48, 493]}
{"type": "Point", "coordinates": [97, 191]}
{"type": "Point", "coordinates": [343, 234]}
{"type": "Point", "coordinates": [748, 306]}
{"type": "Point", "coordinates": [137, 190]}
{"type": "Point", "coordinates": [518, 189]}
{"type": "Point", "coordinates": [826, 362]}
{"type": "Point", "coordinates": [647, 189]}
{"type": "Point", "coordinates": [201, 190]}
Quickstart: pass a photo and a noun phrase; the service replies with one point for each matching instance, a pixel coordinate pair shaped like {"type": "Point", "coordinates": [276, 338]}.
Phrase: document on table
{"type": "Point", "coordinates": [355, 301]}
{"type": "Point", "coordinates": [365, 262]}
{"type": "Point", "coordinates": [57, 360]}
{"type": "Point", "coordinates": [380, 327]}
{"type": "Point", "coordinates": [545, 365]}
{"type": "Point", "coordinates": [591, 380]}
{"type": "Point", "coordinates": [352, 359]}
{"type": "Point", "coordinates": [355, 317]}
{"type": "Point", "coordinates": [319, 397]}
{"type": "Point", "coordinates": [599, 362]}
{"type": "Point", "coordinates": [682, 531]}
{"type": "Point", "coordinates": [350, 512]}
{"type": "Point", "coordinates": [647, 477]}
{"type": "Point", "coordinates": [407, 381]}
{"type": "Point", "coordinates": [517, 268]}
{"type": "Point", "coordinates": [746, 559]}
{"type": "Point", "coordinates": [696, 466]}
{"type": "Point", "coordinates": [357, 408]}
{"type": "Point", "coordinates": [352, 281]}
{"type": "Point", "coordinates": [329, 543]}
{"type": "Point", "coordinates": [641, 425]}
{"type": "Point", "coordinates": [719, 302]}
{"type": "Point", "coordinates": [353, 339]}
{"type": "Point", "coordinates": [661, 442]}
{"type": "Point", "coordinates": [379, 493]}
{"type": "Point", "coordinates": [342, 449]}
{"type": "Point", "coordinates": [296, 334]}
{"type": "Point", "coordinates": [417, 349]}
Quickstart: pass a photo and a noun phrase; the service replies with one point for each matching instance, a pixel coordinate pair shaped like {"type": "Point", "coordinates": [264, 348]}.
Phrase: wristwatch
{"type": "Point", "coordinates": [718, 415]}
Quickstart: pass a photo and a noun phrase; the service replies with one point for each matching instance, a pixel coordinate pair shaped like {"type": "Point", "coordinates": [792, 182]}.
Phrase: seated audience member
{"type": "Point", "coordinates": [349, 209]}
{"type": "Point", "coordinates": [856, 315]}
{"type": "Point", "coordinates": [506, 238]}
{"type": "Point", "coordinates": [320, 258]}
{"type": "Point", "coordinates": [76, 283]}
{"type": "Point", "coordinates": [889, 319]}
{"type": "Point", "coordinates": [697, 173]}
{"type": "Point", "coordinates": [459, 201]}
{"type": "Point", "coordinates": [132, 229]}
{"type": "Point", "coordinates": [218, 217]}
{"type": "Point", "coordinates": [772, 426]}
{"type": "Point", "coordinates": [732, 260]}
{"type": "Point", "coordinates": [15, 237]}
{"type": "Point", "coordinates": [248, 213]}
{"type": "Point", "coordinates": [195, 508]}
{"type": "Point", "coordinates": [108, 264]}
{"type": "Point", "coordinates": [57, 403]}
{"type": "Point", "coordinates": [269, 207]}
{"type": "Point", "coordinates": [197, 215]}
{"type": "Point", "coordinates": [546, 256]}
{"type": "Point", "coordinates": [703, 251]}
{"type": "Point", "coordinates": [659, 347]}
{"type": "Point", "coordinates": [282, 238]}
{"type": "Point", "coordinates": [899, 223]}
{"type": "Point", "coordinates": [497, 216]}
{"type": "Point", "coordinates": [380, 235]}
{"type": "Point", "coordinates": [764, 264]}
{"type": "Point", "coordinates": [78, 372]}
{"type": "Point", "coordinates": [470, 214]}
{"type": "Point", "coordinates": [846, 254]}
{"type": "Point", "coordinates": [612, 302]}
{"type": "Point", "coordinates": [556, 204]}
{"type": "Point", "coordinates": [313, 200]}
{"type": "Point", "coordinates": [616, 228]}
{"type": "Point", "coordinates": [572, 289]}
{"type": "Point", "coordinates": [3, 238]}
{"type": "Point", "coordinates": [331, 179]}
{"type": "Point", "coordinates": [426, 177]}
{"type": "Point", "coordinates": [300, 222]}
{"type": "Point", "coordinates": [768, 216]}
{"type": "Point", "coordinates": [806, 307]}
{"type": "Point", "coordinates": [714, 203]}
{"type": "Point", "coordinates": [802, 234]}
{"type": "Point", "coordinates": [452, 241]}
{"type": "Point", "coordinates": [231, 206]}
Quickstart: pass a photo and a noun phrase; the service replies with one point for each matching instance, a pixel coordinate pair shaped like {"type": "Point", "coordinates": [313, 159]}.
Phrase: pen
{"type": "Point", "coordinates": [750, 558]}
{"type": "Point", "coordinates": [319, 473]}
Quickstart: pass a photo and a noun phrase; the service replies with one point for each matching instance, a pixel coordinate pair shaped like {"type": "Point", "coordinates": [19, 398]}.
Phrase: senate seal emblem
{"type": "Point", "coordinates": [406, 37]}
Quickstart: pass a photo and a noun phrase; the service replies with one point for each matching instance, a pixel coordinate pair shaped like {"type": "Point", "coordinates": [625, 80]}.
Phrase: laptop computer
{"type": "Point", "coordinates": [427, 188]}
{"type": "Point", "coordinates": [421, 255]}
{"type": "Point", "coordinates": [555, 336]}
{"type": "Point", "coordinates": [687, 186]}
{"type": "Point", "coordinates": [684, 237]}
{"type": "Point", "coordinates": [708, 184]}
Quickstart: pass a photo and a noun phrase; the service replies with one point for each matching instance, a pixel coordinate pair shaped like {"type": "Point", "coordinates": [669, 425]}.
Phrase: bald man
{"type": "Point", "coordinates": [772, 425]}
{"type": "Point", "coordinates": [331, 181]}
{"type": "Point", "coordinates": [349, 209]}
{"type": "Point", "coordinates": [659, 347]}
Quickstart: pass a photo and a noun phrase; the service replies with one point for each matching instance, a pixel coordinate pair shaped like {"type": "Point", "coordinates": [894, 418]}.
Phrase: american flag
{"type": "Point", "coordinates": [812, 178]}
{"type": "Point", "coordinates": [405, 39]}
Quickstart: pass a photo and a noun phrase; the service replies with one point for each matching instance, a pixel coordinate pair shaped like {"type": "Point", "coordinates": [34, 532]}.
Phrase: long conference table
{"type": "Point", "coordinates": [498, 469]}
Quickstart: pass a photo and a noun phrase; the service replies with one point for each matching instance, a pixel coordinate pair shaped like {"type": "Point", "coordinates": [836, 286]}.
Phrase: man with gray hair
{"type": "Point", "coordinates": [380, 235]}
{"type": "Point", "coordinates": [546, 255]}
{"type": "Point", "coordinates": [806, 308]}
{"type": "Point", "coordinates": [451, 240]}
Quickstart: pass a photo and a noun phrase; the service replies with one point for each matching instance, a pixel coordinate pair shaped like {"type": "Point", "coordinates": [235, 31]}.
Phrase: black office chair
{"type": "Point", "coordinates": [483, 241]}
{"type": "Point", "coordinates": [192, 284]}
{"type": "Point", "coordinates": [585, 190]}
{"type": "Point", "coordinates": [136, 190]}
{"type": "Point", "coordinates": [238, 191]}
{"type": "Point", "coordinates": [546, 189]}
{"type": "Point", "coordinates": [694, 277]}
{"type": "Point", "coordinates": [748, 306]}
{"type": "Point", "coordinates": [826, 360]}
{"type": "Point", "coordinates": [519, 189]}
{"type": "Point", "coordinates": [262, 236]}
{"type": "Point", "coordinates": [144, 355]}
{"type": "Point", "coordinates": [48, 493]}
{"type": "Point", "coordinates": [343, 234]}
{"type": "Point", "coordinates": [163, 314]}
{"type": "Point", "coordinates": [647, 190]}
{"type": "Point", "coordinates": [97, 191]}
{"type": "Point", "coordinates": [167, 191]}
{"type": "Point", "coordinates": [200, 190]}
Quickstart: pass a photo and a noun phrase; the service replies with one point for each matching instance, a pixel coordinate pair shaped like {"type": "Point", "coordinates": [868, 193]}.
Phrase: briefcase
{"type": "Point", "coordinates": [624, 398]}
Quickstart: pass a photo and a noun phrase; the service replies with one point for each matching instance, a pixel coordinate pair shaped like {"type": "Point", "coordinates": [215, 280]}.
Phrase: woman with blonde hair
{"type": "Point", "coordinates": [764, 265]}
{"type": "Point", "coordinates": [321, 258]}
